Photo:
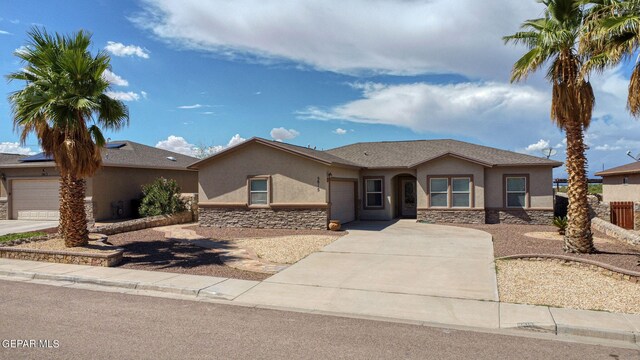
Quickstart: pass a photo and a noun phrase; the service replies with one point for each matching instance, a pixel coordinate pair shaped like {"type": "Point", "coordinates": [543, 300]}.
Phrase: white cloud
{"type": "Point", "coordinates": [177, 144]}
{"type": "Point", "coordinates": [2, 32]}
{"type": "Point", "coordinates": [194, 106]}
{"type": "Point", "coordinates": [385, 36]}
{"type": "Point", "coordinates": [21, 49]}
{"type": "Point", "coordinates": [123, 96]}
{"type": "Point", "coordinates": [281, 134]}
{"type": "Point", "coordinates": [339, 131]}
{"type": "Point", "coordinates": [120, 49]}
{"type": "Point", "coordinates": [607, 147]}
{"type": "Point", "coordinates": [15, 148]}
{"type": "Point", "coordinates": [144, 94]}
{"type": "Point", "coordinates": [540, 145]}
{"type": "Point", "coordinates": [479, 110]}
{"type": "Point", "coordinates": [114, 79]}
{"type": "Point", "coordinates": [181, 145]}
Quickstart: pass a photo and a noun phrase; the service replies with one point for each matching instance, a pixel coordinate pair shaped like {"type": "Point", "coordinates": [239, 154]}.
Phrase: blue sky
{"type": "Point", "coordinates": [319, 73]}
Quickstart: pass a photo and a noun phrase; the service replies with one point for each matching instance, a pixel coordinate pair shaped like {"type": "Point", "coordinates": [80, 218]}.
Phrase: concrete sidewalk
{"type": "Point", "coordinates": [418, 309]}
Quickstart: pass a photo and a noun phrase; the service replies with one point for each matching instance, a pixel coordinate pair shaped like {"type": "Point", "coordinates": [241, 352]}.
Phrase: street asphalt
{"type": "Point", "coordinates": [99, 325]}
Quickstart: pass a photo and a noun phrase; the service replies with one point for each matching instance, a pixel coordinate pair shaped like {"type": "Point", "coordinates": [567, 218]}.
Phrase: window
{"type": "Point", "coordinates": [374, 193]}
{"type": "Point", "coordinates": [625, 180]}
{"type": "Point", "coordinates": [439, 192]}
{"type": "Point", "coordinates": [516, 191]}
{"type": "Point", "coordinates": [450, 191]}
{"type": "Point", "coordinates": [460, 192]}
{"type": "Point", "coordinates": [259, 191]}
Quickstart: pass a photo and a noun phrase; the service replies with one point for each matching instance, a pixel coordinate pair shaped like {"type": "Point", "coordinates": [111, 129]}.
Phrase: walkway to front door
{"type": "Point", "coordinates": [394, 269]}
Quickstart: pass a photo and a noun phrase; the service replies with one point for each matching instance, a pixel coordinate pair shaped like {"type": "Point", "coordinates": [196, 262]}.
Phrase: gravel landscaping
{"type": "Point", "coordinates": [58, 245]}
{"type": "Point", "coordinates": [553, 284]}
{"type": "Point", "coordinates": [286, 249]}
{"type": "Point", "coordinates": [149, 250]}
{"type": "Point", "coordinates": [510, 239]}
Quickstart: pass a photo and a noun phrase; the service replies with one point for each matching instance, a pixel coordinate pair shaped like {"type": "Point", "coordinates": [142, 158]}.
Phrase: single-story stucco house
{"type": "Point", "coordinates": [269, 184]}
{"type": "Point", "coordinates": [621, 183]}
{"type": "Point", "coordinates": [29, 185]}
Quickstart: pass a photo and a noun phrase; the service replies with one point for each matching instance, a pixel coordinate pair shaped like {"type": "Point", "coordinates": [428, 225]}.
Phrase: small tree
{"type": "Point", "coordinates": [161, 197]}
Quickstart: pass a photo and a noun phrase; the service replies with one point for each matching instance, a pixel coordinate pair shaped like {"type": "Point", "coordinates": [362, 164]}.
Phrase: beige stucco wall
{"type": "Point", "coordinates": [614, 190]}
{"type": "Point", "coordinates": [294, 180]}
{"type": "Point", "coordinates": [113, 184]}
{"type": "Point", "coordinates": [390, 196]}
{"type": "Point", "coordinates": [450, 166]}
{"type": "Point", "coordinates": [540, 186]}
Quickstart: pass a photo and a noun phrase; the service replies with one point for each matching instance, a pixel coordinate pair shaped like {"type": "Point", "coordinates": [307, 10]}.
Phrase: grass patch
{"type": "Point", "coordinates": [18, 236]}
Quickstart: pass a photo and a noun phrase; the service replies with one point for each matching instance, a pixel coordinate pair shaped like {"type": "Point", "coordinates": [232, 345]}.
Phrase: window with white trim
{"type": "Point", "coordinates": [258, 191]}
{"type": "Point", "coordinates": [460, 192]}
{"type": "Point", "coordinates": [439, 192]}
{"type": "Point", "coordinates": [516, 191]}
{"type": "Point", "coordinates": [373, 189]}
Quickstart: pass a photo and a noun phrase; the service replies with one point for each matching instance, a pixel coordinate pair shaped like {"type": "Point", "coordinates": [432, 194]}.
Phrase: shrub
{"type": "Point", "coordinates": [161, 197]}
{"type": "Point", "coordinates": [560, 223]}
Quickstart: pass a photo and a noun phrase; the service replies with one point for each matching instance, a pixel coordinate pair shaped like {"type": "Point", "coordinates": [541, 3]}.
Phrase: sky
{"type": "Point", "coordinates": [319, 73]}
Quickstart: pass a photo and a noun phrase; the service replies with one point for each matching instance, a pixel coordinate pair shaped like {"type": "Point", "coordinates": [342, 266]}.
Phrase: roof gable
{"type": "Point", "coordinates": [631, 168]}
{"type": "Point", "coordinates": [307, 153]}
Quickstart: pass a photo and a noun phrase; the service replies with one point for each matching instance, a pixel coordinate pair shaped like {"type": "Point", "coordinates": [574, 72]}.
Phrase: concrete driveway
{"type": "Point", "coordinates": [19, 226]}
{"type": "Point", "coordinates": [400, 269]}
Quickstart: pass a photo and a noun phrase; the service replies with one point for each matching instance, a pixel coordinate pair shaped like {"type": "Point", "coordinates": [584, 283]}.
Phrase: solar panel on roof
{"type": "Point", "coordinates": [114, 145]}
{"type": "Point", "coordinates": [37, 157]}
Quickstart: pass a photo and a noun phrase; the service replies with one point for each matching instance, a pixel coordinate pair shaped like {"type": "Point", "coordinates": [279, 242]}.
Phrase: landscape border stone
{"type": "Point", "coordinates": [63, 257]}
{"type": "Point", "coordinates": [143, 223]}
{"type": "Point", "coordinates": [605, 269]}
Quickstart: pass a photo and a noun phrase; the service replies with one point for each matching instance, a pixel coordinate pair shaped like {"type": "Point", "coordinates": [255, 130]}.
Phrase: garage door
{"type": "Point", "coordinates": [35, 199]}
{"type": "Point", "coordinates": [343, 204]}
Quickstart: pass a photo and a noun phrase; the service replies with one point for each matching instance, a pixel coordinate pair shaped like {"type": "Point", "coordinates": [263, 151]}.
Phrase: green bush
{"type": "Point", "coordinates": [161, 197]}
{"type": "Point", "coordinates": [560, 223]}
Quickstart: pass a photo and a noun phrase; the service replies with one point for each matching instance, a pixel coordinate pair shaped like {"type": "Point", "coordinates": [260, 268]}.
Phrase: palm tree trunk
{"type": "Point", "coordinates": [75, 231]}
{"type": "Point", "coordinates": [64, 212]}
{"type": "Point", "coordinates": [578, 237]}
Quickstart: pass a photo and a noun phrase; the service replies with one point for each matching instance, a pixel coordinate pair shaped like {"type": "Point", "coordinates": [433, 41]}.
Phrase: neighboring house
{"type": "Point", "coordinates": [621, 183]}
{"type": "Point", "coordinates": [268, 184]}
{"type": "Point", "coordinates": [29, 185]}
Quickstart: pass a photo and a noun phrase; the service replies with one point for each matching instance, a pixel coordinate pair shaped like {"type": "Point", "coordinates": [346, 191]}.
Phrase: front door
{"type": "Point", "coordinates": [408, 198]}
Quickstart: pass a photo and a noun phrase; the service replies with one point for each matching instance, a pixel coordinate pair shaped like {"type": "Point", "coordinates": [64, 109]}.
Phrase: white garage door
{"type": "Point", "coordinates": [35, 199]}
{"type": "Point", "coordinates": [343, 205]}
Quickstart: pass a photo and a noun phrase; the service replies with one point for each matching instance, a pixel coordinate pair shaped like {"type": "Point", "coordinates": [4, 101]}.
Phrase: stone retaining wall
{"type": "Point", "coordinates": [597, 208]}
{"type": "Point", "coordinates": [143, 223]}
{"type": "Point", "coordinates": [4, 207]}
{"type": "Point", "coordinates": [519, 216]}
{"type": "Point", "coordinates": [267, 218]}
{"type": "Point", "coordinates": [62, 257]}
{"type": "Point", "coordinates": [615, 231]}
{"type": "Point", "coordinates": [452, 216]}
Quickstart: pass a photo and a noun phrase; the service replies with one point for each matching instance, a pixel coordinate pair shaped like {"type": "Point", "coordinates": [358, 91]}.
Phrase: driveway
{"type": "Point", "coordinates": [19, 226]}
{"type": "Point", "coordinates": [399, 269]}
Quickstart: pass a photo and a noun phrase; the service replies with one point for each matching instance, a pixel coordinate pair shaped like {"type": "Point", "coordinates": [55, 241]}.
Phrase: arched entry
{"type": "Point", "coordinates": [406, 196]}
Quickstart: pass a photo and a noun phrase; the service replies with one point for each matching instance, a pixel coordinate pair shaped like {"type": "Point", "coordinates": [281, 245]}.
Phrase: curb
{"type": "Point", "coordinates": [560, 329]}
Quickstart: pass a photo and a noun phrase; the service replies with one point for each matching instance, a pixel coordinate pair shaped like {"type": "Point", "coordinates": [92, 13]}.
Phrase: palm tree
{"type": "Point", "coordinates": [553, 40]}
{"type": "Point", "coordinates": [64, 103]}
{"type": "Point", "coordinates": [613, 36]}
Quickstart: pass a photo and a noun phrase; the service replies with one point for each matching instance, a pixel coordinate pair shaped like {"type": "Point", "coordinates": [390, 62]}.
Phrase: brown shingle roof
{"type": "Point", "coordinates": [632, 168]}
{"type": "Point", "coordinates": [132, 154]}
{"type": "Point", "coordinates": [394, 154]}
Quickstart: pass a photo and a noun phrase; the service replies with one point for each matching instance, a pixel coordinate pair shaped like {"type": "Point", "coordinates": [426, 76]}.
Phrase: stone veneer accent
{"type": "Point", "coordinates": [4, 206]}
{"type": "Point", "coordinates": [63, 257]}
{"type": "Point", "coordinates": [266, 218]}
{"type": "Point", "coordinates": [143, 223]}
{"type": "Point", "coordinates": [90, 210]}
{"type": "Point", "coordinates": [472, 216]}
{"type": "Point", "coordinates": [519, 216]}
{"type": "Point", "coordinates": [615, 231]}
